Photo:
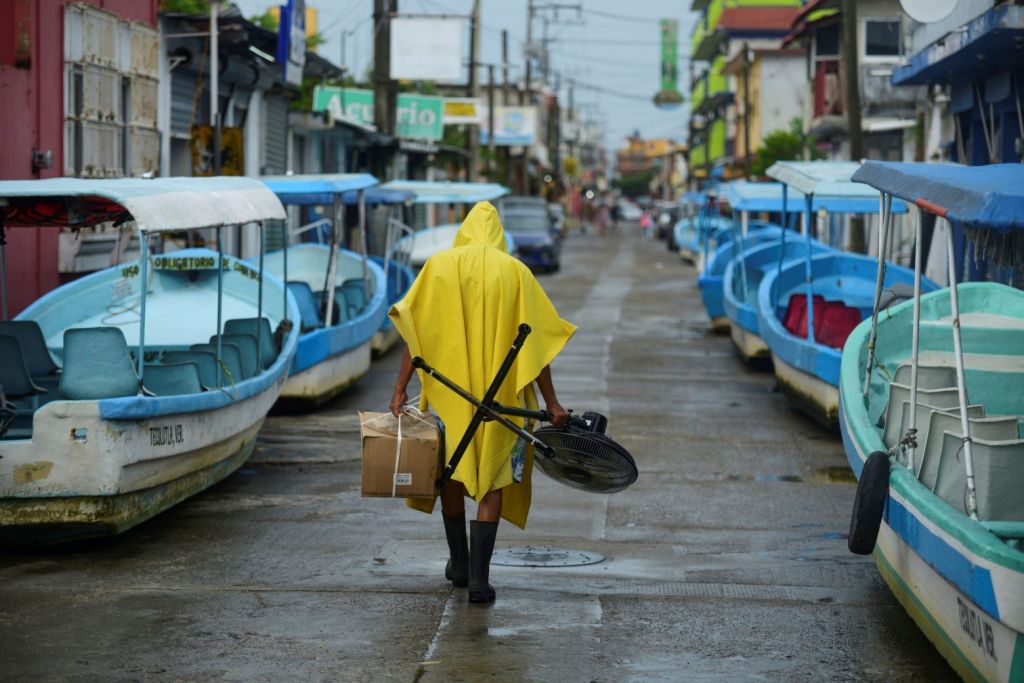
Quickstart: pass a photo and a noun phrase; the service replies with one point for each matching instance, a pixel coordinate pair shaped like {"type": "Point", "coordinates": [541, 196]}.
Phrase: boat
{"type": "Point", "coordinates": [746, 197]}
{"type": "Point", "coordinates": [421, 244]}
{"type": "Point", "coordinates": [697, 237]}
{"type": "Point", "coordinates": [806, 341]}
{"type": "Point", "coordinates": [341, 293]}
{"type": "Point", "coordinates": [143, 384]}
{"type": "Point", "coordinates": [398, 276]}
{"type": "Point", "coordinates": [931, 420]}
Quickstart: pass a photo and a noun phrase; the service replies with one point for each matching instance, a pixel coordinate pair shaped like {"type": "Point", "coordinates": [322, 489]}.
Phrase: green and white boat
{"type": "Point", "coordinates": [931, 399]}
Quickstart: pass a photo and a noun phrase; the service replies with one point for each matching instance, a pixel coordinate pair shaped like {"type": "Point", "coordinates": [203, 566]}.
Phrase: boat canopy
{"type": "Point", "coordinates": [155, 204]}
{"type": "Point", "coordinates": [317, 189]}
{"type": "Point", "coordinates": [380, 195]}
{"type": "Point", "coordinates": [986, 197]}
{"type": "Point", "coordinates": [746, 196]}
{"type": "Point", "coordinates": [830, 184]}
{"type": "Point", "coordinates": [429, 192]}
{"type": "Point", "coordinates": [694, 197]}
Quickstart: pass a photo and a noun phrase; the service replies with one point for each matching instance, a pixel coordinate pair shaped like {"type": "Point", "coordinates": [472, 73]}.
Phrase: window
{"type": "Point", "coordinates": [882, 38]}
{"type": "Point", "coordinates": [826, 42]}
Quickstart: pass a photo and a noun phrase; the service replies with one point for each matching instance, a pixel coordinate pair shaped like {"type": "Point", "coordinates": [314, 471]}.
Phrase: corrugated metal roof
{"type": "Point", "coordinates": [761, 19]}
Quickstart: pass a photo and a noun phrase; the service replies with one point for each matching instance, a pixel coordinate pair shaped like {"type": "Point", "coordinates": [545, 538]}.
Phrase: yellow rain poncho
{"type": "Point", "coordinates": [461, 315]}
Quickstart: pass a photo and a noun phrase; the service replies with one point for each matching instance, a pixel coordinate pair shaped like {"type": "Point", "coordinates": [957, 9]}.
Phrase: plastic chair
{"type": "Point", "coordinates": [97, 365]}
{"type": "Point", "coordinates": [205, 361]}
{"type": "Point", "coordinates": [355, 297]}
{"type": "Point", "coordinates": [249, 326]}
{"type": "Point", "coordinates": [173, 379]}
{"type": "Point", "coordinates": [307, 301]}
{"type": "Point", "coordinates": [230, 356]}
{"type": "Point", "coordinates": [247, 348]}
{"type": "Point", "coordinates": [15, 379]}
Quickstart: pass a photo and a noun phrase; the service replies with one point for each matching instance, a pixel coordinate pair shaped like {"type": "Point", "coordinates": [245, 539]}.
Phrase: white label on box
{"type": "Point", "coordinates": [403, 479]}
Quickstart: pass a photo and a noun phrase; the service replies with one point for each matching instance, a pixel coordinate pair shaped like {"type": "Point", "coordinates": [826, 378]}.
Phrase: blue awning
{"type": "Point", "coordinates": [381, 195]}
{"type": "Point", "coordinates": [317, 189]}
{"type": "Point", "coordinates": [985, 197]}
{"type": "Point", "coordinates": [155, 204]}
{"type": "Point", "coordinates": [830, 185]}
{"type": "Point", "coordinates": [756, 197]}
{"type": "Point", "coordinates": [988, 44]}
{"type": "Point", "coordinates": [428, 192]}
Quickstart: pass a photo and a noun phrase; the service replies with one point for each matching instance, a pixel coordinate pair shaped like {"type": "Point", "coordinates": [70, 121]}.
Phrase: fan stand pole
{"type": "Point", "coordinates": [484, 407]}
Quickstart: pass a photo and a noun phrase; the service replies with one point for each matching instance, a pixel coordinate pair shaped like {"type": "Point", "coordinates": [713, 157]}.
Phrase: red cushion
{"type": "Point", "coordinates": [835, 323]}
{"type": "Point", "coordinates": [795, 319]}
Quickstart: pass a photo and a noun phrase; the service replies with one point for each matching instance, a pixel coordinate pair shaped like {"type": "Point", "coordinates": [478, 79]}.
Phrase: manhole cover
{"type": "Point", "coordinates": [544, 556]}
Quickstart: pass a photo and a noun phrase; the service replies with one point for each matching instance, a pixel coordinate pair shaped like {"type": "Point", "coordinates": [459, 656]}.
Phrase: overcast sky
{"type": "Point", "coordinates": [615, 48]}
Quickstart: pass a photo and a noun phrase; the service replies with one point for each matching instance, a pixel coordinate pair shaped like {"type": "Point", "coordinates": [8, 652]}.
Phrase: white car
{"type": "Point", "coordinates": [630, 211]}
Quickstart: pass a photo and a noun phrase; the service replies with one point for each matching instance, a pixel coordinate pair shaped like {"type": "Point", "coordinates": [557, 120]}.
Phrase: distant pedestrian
{"type": "Point", "coordinates": [647, 224]}
{"type": "Point", "coordinates": [461, 315]}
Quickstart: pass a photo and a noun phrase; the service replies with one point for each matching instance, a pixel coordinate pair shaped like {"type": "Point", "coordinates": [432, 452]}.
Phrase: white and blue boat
{"type": "Point", "coordinates": [932, 397]}
{"type": "Point", "coordinates": [142, 384]}
{"type": "Point", "coordinates": [419, 245]}
{"type": "Point", "coordinates": [751, 249]}
{"type": "Point", "coordinates": [806, 340]}
{"type": "Point", "coordinates": [341, 293]}
{"type": "Point", "coordinates": [398, 276]}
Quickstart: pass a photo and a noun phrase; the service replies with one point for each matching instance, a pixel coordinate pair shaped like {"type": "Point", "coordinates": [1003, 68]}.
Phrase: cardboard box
{"type": "Point", "coordinates": [408, 471]}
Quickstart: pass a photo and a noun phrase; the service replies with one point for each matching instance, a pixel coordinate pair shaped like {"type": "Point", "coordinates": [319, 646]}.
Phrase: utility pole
{"type": "Point", "coordinates": [505, 154]}
{"type": "Point", "coordinates": [473, 132]}
{"type": "Point", "coordinates": [524, 95]}
{"type": "Point", "coordinates": [492, 160]}
{"type": "Point", "coordinates": [746, 111]}
{"type": "Point", "coordinates": [851, 87]}
{"type": "Point", "coordinates": [385, 91]}
{"type": "Point", "coordinates": [214, 84]}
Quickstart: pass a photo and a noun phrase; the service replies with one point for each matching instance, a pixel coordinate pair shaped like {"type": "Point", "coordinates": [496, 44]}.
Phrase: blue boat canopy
{"type": "Point", "coordinates": [992, 40]}
{"type": "Point", "coordinates": [694, 197]}
{"type": "Point", "coordinates": [986, 197]}
{"type": "Point", "coordinates": [428, 192]}
{"type": "Point", "coordinates": [317, 189]}
{"type": "Point", "coordinates": [155, 204]}
{"type": "Point", "coordinates": [747, 196]}
{"type": "Point", "coordinates": [830, 185]}
{"type": "Point", "coordinates": [379, 195]}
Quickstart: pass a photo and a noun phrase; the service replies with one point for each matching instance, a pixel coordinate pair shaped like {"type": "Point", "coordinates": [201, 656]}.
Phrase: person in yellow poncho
{"type": "Point", "coordinates": [461, 315]}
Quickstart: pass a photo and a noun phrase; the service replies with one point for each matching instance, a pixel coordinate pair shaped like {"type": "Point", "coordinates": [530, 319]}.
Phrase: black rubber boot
{"type": "Point", "coordinates": [457, 569]}
{"type": "Point", "coordinates": [481, 546]}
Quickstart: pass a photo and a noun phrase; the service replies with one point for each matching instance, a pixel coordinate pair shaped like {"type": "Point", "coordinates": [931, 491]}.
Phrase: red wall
{"type": "Point", "coordinates": [32, 116]}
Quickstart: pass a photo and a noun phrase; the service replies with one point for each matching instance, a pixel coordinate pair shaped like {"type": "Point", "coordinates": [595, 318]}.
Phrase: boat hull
{"type": "Point", "coordinates": [749, 345]}
{"type": "Point", "coordinates": [384, 340]}
{"type": "Point", "coordinates": [815, 397]}
{"type": "Point", "coordinates": [323, 381]}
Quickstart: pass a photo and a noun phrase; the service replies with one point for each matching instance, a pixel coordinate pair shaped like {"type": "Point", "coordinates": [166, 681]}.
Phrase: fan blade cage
{"type": "Point", "coordinates": [585, 460]}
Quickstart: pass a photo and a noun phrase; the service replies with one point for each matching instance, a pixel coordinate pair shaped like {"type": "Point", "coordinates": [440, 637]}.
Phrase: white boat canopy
{"type": "Point", "coordinates": [155, 204]}
{"type": "Point", "coordinates": [430, 192]}
{"type": "Point", "coordinates": [832, 180]}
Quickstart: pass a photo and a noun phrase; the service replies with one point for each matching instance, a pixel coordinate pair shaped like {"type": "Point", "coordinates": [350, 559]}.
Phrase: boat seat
{"type": "Point", "coordinates": [998, 428]}
{"type": "Point", "coordinates": [998, 477]}
{"type": "Point", "coordinates": [339, 314]}
{"type": "Point", "coordinates": [894, 430]}
{"type": "Point", "coordinates": [172, 379]}
{"type": "Point", "coordinates": [97, 365]}
{"type": "Point", "coordinates": [354, 294]}
{"type": "Point", "coordinates": [44, 372]}
{"type": "Point", "coordinates": [246, 344]}
{"type": "Point", "coordinates": [835, 323]}
{"type": "Point", "coordinates": [795, 318]}
{"type": "Point", "coordinates": [230, 358]}
{"type": "Point", "coordinates": [249, 326]}
{"type": "Point", "coordinates": [307, 301]}
{"type": "Point", "coordinates": [928, 376]}
{"type": "Point", "coordinates": [205, 362]}
{"type": "Point", "coordinates": [940, 399]}
{"type": "Point", "coordinates": [15, 380]}
{"type": "Point", "coordinates": [895, 294]}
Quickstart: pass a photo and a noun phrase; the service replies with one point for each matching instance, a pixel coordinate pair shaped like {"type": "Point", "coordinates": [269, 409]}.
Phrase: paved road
{"type": "Point", "coordinates": [725, 562]}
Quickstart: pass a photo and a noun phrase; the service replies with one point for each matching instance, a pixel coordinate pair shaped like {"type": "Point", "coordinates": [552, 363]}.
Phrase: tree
{"type": "Point", "coordinates": [269, 21]}
{"type": "Point", "coordinates": [185, 6]}
{"type": "Point", "coordinates": [783, 145]}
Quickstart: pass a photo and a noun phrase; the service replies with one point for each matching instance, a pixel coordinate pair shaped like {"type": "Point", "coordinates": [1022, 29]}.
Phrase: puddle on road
{"type": "Point", "coordinates": [828, 475]}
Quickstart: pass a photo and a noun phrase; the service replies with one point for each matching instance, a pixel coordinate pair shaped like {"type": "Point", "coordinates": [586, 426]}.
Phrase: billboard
{"type": "Point", "coordinates": [427, 48]}
{"type": "Point", "coordinates": [669, 94]}
{"type": "Point", "coordinates": [512, 126]}
{"type": "Point", "coordinates": [291, 41]}
{"type": "Point", "coordinates": [461, 110]}
{"type": "Point", "coordinates": [419, 117]}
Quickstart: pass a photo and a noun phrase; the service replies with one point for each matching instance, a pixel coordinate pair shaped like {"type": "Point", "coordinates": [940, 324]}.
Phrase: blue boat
{"type": "Point", "coordinates": [932, 393]}
{"type": "Point", "coordinates": [140, 385]}
{"type": "Point", "coordinates": [805, 341]}
{"type": "Point", "coordinates": [341, 293]}
{"type": "Point", "coordinates": [744, 198]}
{"type": "Point", "coordinates": [419, 245]}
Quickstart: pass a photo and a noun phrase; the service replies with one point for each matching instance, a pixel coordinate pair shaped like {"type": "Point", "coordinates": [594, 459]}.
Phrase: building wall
{"type": "Point", "coordinates": [783, 93]}
{"type": "Point", "coordinates": [32, 111]}
{"type": "Point", "coordinates": [922, 35]}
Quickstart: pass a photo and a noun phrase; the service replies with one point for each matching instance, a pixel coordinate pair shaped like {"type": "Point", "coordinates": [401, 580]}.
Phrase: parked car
{"type": "Point", "coordinates": [538, 240]}
{"type": "Point", "coordinates": [629, 211]}
{"type": "Point", "coordinates": [667, 214]}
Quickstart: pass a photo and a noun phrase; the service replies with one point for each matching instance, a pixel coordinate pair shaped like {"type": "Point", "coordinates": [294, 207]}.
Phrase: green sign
{"type": "Point", "coordinates": [669, 94]}
{"type": "Point", "coordinates": [419, 117]}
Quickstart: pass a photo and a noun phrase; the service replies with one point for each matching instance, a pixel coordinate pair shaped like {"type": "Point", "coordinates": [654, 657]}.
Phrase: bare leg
{"type": "Point", "coordinates": [489, 509]}
{"type": "Point", "coordinates": [453, 499]}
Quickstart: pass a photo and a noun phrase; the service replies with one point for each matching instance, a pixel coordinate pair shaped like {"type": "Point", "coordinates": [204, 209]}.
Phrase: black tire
{"type": "Point", "coordinates": [869, 504]}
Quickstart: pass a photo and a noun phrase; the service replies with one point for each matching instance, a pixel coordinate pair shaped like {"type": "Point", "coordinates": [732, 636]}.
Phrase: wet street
{"type": "Point", "coordinates": [726, 561]}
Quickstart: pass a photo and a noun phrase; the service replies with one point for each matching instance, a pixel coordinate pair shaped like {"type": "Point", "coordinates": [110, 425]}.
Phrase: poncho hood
{"type": "Point", "coordinates": [482, 227]}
